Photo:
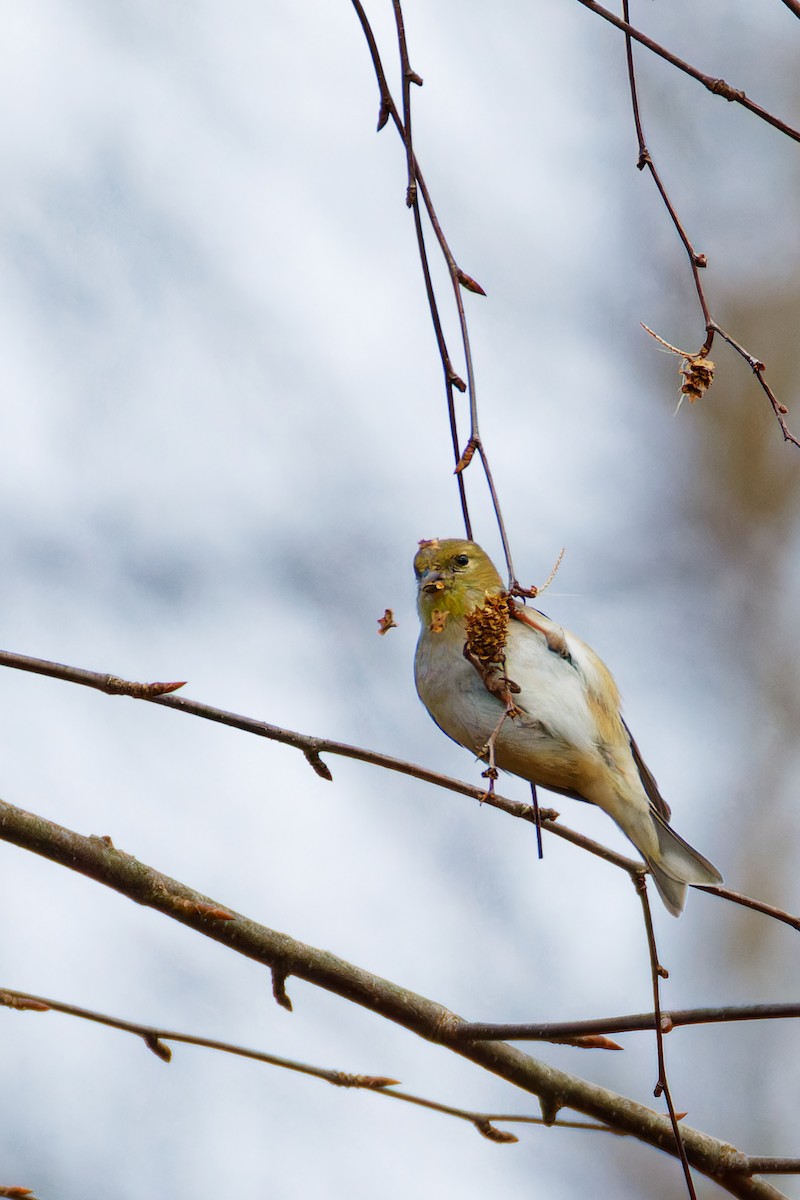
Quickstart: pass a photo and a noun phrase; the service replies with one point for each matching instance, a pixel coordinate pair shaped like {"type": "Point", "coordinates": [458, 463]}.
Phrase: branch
{"type": "Point", "coordinates": [154, 1037]}
{"type": "Point", "coordinates": [312, 747]}
{"type": "Point", "coordinates": [718, 86]}
{"type": "Point", "coordinates": [697, 262]}
{"type": "Point", "coordinates": [657, 973]}
{"type": "Point", "coordinates": [95, 858]}
{"type": "Point", "coordinates": [458, 277]}
{"type": "Point", "coordinates": [634, 1023]}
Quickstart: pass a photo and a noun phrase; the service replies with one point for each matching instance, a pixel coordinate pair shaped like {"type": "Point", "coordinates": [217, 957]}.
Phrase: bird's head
{"type": "Point", "coordinates": [454, 577]}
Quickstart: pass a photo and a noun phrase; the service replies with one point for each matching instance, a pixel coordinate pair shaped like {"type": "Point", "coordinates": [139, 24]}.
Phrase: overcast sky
{"type": "Point", "coordinates": [222, 434]}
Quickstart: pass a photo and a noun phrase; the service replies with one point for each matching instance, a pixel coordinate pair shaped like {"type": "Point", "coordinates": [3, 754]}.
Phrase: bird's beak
{"type": "Point", "coordinates": [431, 581]}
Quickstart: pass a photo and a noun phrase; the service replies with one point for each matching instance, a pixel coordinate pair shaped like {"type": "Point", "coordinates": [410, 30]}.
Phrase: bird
{"type": "Point", "coordinates": [532, 699]}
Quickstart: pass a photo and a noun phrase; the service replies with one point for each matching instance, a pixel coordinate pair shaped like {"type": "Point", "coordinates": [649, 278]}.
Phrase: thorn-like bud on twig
{"type": "Point", "coordinates": [644, 159]}
{"type": "Point", "coordinates": [23, 1004]}
{"type": "Point", "coordinates": [413, 77]}
{"type": "Point", "coordinates": [371, 1082]}
{"type": "Point", "coordinates": [384, 113]}
{"type": "Point", "coordinates": [658, 1090]}
{"type": "Point", "coordinates": [386, 622]}
{"type": "Point", "coordinates": [158, 1047]}
{"type": "Point", "coordinates": [700, 261]}
{"type": "Point", "coordinates": [782, 409]}
{"type": "Point", "coordinates": [139, 691]}
{"type": "Point", "coordinates": [666, 1023]}
{"type": "Point", "coordinates": [663, 973]}
{"type": "Point", "coordinates": [322, 769]}
{"type": "Point", "coordinates": [588, 1041]}
{"type": "Point", "coordinates": [411, 195]}
{"type": "Point", "coordinates": [469, 283]}
{"type": "Point", "coordinates": [466, 457]}
{"type": "Point", "coordinates": [215, 913]}
{"type": "Point", "coordinates": [199, 908]}
{"type": "Point", "coordinates": [279, 978]}
{"type": "Point", "coordinates": [488, 1130]}
{"type": "Point", "coordinates": [456, 380]}
{"type": "Point", "coordinates": [550, 1109]}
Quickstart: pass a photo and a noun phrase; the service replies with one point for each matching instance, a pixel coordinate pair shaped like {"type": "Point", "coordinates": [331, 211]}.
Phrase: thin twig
{"type": "Point", "coordinates": [718, 86]}
{"type": "Point", "coordinates": [657, 973]}
{"type": "Point", "coordinates": [155, 1038]}
{"type": "Point", "coordinates": [459, 279]}
{"type": "Point", "coordinates": [633, 1023]}
{"type": "Point", "coordinates": [697, 261]}
{"type": "Point", "coordinates": [769, 910]}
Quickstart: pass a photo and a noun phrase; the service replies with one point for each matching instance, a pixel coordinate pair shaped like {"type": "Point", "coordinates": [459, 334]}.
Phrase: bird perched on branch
{"type": "Point", "coordinates": [521, 693]}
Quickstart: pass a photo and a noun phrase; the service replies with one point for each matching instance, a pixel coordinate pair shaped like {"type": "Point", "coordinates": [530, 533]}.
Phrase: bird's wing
{"type": "Point", "coordinates": [648, 782]}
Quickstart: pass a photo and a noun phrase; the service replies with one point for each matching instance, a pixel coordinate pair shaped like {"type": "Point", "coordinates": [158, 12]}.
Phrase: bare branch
{"type": "Point", "coordinates": [154, 1035]}
{"type": "Point", "coordinates": [635, 1022]}
{"type": "Point", "coordinates": [699, 361]}
{"type": "Point", "coordinates": [311, 747]}
{"type": "Point", "coordinates": [657, 973]}
{"type": "Point", "coordinates": [718, 86]}
{"type": "Point", "coordinates": [94, 858]}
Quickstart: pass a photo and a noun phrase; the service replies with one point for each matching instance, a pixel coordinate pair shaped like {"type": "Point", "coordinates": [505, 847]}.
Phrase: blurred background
{"type": "Point", "coordinates": [222, 434]}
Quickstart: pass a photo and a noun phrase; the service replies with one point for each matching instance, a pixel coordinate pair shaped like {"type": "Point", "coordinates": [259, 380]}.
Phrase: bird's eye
{"type": "Point", "coordinates": [461, 560]}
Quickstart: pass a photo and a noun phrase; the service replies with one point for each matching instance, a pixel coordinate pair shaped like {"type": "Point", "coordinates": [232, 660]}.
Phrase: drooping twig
{"type": "Point", "coordinates": [717, 86]}
{"type": "Point", "coordinates": [697, 261]}
{"type": "Point", "coordinates": [657, 973]}
{"type": "Point", "coordinates": [459, 278]}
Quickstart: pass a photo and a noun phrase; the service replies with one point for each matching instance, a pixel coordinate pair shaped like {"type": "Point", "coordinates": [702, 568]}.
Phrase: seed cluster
{"type": "Point", "coordinates": [487, 628]}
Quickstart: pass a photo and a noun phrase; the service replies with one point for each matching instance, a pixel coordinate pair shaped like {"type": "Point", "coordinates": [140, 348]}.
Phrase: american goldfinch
{"type": "Point", "coordinates": [507, 683]}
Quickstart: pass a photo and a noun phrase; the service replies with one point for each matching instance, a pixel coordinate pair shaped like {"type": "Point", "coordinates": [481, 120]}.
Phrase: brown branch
{"type": "Point", "coordinates": [657, 973]}
{"type": "Point", "coordinates": [95, 859]}
{"type": "Point", "coordinates": [633, 1023]}
{"type": "Point", "coordinates": [388, 109]}
{"type": "Point", "coordinates": [697, 262]}
{"type": "Point", "coordinates": [794, 5]}
{"type": "Point", "coordinates": [154, 1038]}
{"type": "Point", "coordinates": [458, 277]}
{"type": "Point", "coordinates": [311, 747]}
{"type": "Point", "coordinates": [758, 368]}
{"type": "Point", "coordinates": [718, 86]}
{"type": "Point", "coordinates": [769, 910]}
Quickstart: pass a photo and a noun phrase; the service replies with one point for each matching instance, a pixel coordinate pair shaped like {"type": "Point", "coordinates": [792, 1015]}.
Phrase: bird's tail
{"type": "Point", "coordinates": [676, 865]}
